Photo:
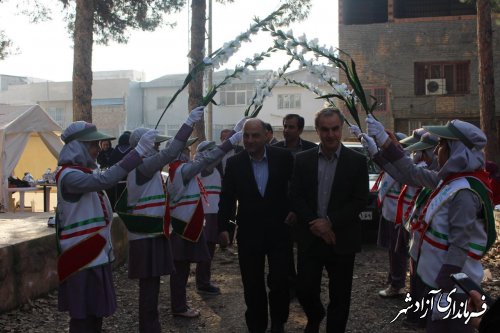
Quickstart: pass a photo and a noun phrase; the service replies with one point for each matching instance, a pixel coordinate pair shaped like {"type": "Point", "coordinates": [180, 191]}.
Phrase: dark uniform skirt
{"type": "Point", "coordinates": [184, 250]}
{"type": "Point", "coordinates": [386, 231]}
{"type": "Point", "coordinates": [88, 293]}
{"type": "Point", "coordinates": [211, 229]}
{"type": "Point", "coordinates": [150, 257]}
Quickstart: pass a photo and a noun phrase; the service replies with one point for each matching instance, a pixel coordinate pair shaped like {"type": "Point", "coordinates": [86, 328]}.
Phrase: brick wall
{"type": "Point", "coordinates": [385, 54]}
{"type": "Point", "coordinates": [110, 119]}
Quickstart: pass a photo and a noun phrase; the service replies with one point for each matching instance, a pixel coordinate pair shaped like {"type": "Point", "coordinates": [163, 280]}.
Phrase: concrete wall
{"type": "Point", "coordinates": [28, 269]}
{"type": "Point", "coordinates": [175, 115]}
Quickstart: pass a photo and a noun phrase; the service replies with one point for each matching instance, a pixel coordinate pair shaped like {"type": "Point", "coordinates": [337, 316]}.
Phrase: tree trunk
{"type": "Point", "coordinates": [487, 80]}
{"type": "Point", "coordinates": [82, 60]}
{"type": "Point", "coordinates": [196, 54]}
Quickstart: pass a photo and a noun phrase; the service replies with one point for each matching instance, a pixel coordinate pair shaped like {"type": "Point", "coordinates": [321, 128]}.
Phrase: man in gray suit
{"type": "Point", "coordinates": [329, 189]}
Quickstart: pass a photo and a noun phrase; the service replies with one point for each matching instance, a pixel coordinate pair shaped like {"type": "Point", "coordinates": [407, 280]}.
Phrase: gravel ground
{"type": "Point", "coordinates": [225, 313]}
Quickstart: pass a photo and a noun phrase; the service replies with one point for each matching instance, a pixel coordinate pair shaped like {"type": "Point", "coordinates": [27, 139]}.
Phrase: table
{"type": "Point", "coordinates": [21, 191]}
{"type": "Point", "coordinates": [46, 194]}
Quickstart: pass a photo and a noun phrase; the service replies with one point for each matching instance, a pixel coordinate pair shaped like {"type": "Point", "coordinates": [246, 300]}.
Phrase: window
{"type": "Point", "coordinates": [432, 8]}
{"type": "Point", "coordinates": [408, 125]}
{"type": "Point", "coordinates": [289, 101]}
{"type": "Point", "coordinates": [380, 94]}
{"type": "Point", "coordinates": [454, 76]}
{"type": "Point", "coordinates": [364, 11]}
{"type": "Point", "coordinates": [236, 94]}
{"type": "Point", "coordinates": [57, 114]}
{"type": "Point", "coordinates": [161, 102]}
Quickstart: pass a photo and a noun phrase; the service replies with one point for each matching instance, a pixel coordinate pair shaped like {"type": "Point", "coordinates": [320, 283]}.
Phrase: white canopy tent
{"type": "Point", "coordinates": [17, 124]}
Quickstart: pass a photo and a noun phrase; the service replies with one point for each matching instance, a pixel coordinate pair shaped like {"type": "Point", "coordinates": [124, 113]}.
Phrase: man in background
{"type": "Point", "coordinates": [293, 125]}
{"type": "Point", "coordinates": [224, 134]}
{"type": "Point", "coordinates": [271, 140]}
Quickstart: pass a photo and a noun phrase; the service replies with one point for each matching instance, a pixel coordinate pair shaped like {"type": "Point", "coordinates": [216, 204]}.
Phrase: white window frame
{"type": "Point", "coordinates": [289, 101]}
{"type": "Point", "coordinates": [240, 92]}
{"type": "Point", "coordinates": [57, 114]}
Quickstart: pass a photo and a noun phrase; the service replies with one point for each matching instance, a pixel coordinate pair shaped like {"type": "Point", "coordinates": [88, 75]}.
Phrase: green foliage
{"type": "Point", "coordinates": [297, 10]}
{"type": "Point", "coordinates": [495, 4]}
{"type": "Point", "coordinates": [5, 45]}
{"type": "Point", "coordinates": [113, 18]}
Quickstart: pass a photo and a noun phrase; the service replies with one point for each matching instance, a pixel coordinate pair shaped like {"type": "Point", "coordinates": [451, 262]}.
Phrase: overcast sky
{"type": "Point", "coordinates": [45, 49]}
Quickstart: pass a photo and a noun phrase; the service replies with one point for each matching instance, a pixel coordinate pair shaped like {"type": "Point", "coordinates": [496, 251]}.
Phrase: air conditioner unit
{"type": "Point", "coordinates": [435, 86]}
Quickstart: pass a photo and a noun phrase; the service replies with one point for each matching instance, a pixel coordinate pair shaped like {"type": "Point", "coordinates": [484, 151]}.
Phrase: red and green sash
{"type": "Point", "coordinates": [186, 208]}
{"type": "Point", "coordinates": [84, 252]}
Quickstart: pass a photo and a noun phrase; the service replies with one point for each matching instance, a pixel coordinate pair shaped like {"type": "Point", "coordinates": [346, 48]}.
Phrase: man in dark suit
{"type": "Point", "coordinates": [257, 179]}
{"type": "Point", "coordinates": [328, 191]}
{"type": "Point", "coordinates": [271, 140]}
{"type": "Point", "coordinates": [293, 125]}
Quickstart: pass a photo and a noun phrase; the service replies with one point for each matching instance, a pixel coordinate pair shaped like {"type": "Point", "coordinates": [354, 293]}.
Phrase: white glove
{"type": "Point", "coordinates": [376, 129]}
{"type": "Point", "coordinates": [146, 145]}
{"type": "Point", "coordinates": [355, 130]}
{"type": "Point", "coordinates": [369, 144]}
{"type": "Point", "coordinates": [239, 126]}
{"type": "Point", "coordinates": [195, 115]}
{"type": "Point", "coordinates": [235, 138]}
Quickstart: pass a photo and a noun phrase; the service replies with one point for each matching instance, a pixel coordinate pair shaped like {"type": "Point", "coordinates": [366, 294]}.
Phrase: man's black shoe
{"type": "Point", "coordinates": [277, 328]}
{"type": "Point", "coordinates": [312, 327]}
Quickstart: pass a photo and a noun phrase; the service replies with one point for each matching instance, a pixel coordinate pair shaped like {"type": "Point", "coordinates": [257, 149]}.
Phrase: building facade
{"type": "Point", "coordinates": [110, 92]}
{"type": "Point", "coordinates": [121, 100]}
{"type": "Point", "coordinates": [232, 101]}
{"type": "Point", "coordinates": [418, 57]}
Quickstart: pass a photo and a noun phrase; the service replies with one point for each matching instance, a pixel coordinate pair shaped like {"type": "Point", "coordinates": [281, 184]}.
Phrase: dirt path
{"type": "Point", "coordinates": [225, 313]}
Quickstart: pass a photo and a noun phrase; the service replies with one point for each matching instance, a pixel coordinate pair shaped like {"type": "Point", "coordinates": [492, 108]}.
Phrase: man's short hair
{"type": "Point", "coordinates": [300, 120]}
{"type": "Point", "coordinates": [327, 112]}
{"type": "Point", "coordinates": [225, 130]}
{"type": "Point", "coordinates": [269, 128]}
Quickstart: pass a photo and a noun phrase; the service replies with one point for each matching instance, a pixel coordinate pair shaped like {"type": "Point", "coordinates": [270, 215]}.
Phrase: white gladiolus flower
{"type": "Point", "coordinates": [313, 43]}
{"type": "Point", "coordinates": [290, 44]}
{"type": "Point", "coordinates": [244, 36]}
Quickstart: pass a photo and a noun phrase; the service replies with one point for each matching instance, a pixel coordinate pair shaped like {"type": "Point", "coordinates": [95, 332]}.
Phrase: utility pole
{"type": "Point", "coordinates": [209, 128]}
